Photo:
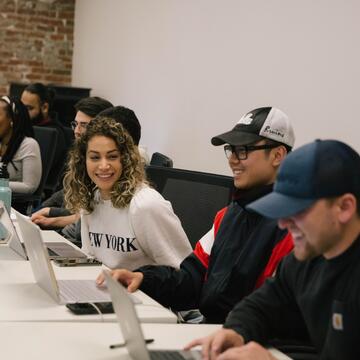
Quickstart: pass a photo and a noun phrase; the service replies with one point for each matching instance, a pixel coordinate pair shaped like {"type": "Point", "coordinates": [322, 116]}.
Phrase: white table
{"type": "Point", "coordinates": [23, 300]}
{"type": "Point", "coordinates": [59, 341]}
{"type": "Point", "coordinates": [6, 253]}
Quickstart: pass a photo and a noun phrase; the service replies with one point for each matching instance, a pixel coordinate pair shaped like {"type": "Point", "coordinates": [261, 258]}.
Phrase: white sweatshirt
{"type": "Point", "coordinates": [146, 232]}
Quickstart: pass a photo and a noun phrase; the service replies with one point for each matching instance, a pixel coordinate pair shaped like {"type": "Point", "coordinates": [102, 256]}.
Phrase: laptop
{"type": "Point", "coordinates": [5, 234]}
{"type": "Point", "coordinates": [130, 327]}
{"type": "Point", "coordinates": [59, 251]}
{"type": "Point", "coordinates": [62, 291]}
{"type": "Point", "coordinates": [8, 233]}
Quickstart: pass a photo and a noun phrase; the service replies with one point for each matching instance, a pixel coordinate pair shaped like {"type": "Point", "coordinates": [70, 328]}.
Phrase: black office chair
{"type": "Point", "coordinates": [195, 196]}
{"type": "Point", "coordinates": [158, 159]}
{"type": "Point", "coordinates": [69, 136]}
{"type": "Point", "coordinates": [46, 137]}
{"type": "Point", "coordinates": [54, 181]}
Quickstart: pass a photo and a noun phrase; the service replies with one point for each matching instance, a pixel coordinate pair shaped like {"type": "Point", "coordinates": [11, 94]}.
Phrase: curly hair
{"type": "Point", "coordinates": [80, 189]}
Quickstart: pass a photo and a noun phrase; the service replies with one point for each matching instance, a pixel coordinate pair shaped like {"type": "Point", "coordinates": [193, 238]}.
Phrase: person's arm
{"type": "Point", "coordinates": [158, 230]}
{"type": "Point", "coordinates": [59, 211]}
{"type": "Point", "coordinates": [40, 213]}
{"type": "Point", "coordinates": [176, 288]}
{"type": "Point", "coordinates": [55, 222]}
{"type": "Point", "coordinates": [179, 289]}
{"type": "Point", "coordinates": [249, 351]}
{"type": "Point", "coordinates": [272, 310]}
{"type": "Point", "coordinates": [52, 207]}
{"type": "Point", "coordinates": [226, 344]}
{"type": "Point", "coordinates": [31, 168]}
{"type": "Point", "coordinates": [56, 200]}
{"type": "Point", "coordinates": [217, 343]}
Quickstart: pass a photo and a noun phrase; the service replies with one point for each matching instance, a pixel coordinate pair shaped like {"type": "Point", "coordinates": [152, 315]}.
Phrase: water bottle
{"type": "Point", "coordinates": [5, 191]}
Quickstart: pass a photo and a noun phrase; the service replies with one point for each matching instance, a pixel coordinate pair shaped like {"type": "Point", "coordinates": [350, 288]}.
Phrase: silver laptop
{"type": "Point", "coordinates": [8, 233]}
{"type": "Point", "coordinates": [62, 291]}
{"type": "Point", "coordinates": [131, 329]}
{"type": "Point", "coordinates": [56, 250]}
{"type": "Point", "coordinates": [4, 233]}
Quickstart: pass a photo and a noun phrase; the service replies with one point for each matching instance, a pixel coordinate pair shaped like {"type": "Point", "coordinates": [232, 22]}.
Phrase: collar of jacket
{"type": "Point", "coordinates": [244, 197]}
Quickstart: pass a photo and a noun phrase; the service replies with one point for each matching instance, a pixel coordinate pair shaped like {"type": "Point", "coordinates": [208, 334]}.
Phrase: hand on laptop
{"type": "Point", "coordinates": [132, 280]}
{"type": "Point", "coordinates": [250, 351]}
{"type": "Point", "coordinates": [54, 222]}
{"type": "Point", "coordinates": [217, 343]}
{"type": "Point", "coordinates": [40, 213]}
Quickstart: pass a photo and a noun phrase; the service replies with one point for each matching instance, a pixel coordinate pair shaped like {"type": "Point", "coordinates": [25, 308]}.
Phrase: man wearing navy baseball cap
{"type": "Point", "coordinates": [316, 290]}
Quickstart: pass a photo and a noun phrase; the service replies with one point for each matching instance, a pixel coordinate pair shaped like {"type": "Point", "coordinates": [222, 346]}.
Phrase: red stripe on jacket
{"type": "Point", "coordinates": [199, 251]}
{"type": "Point", "coordinates": [281, 249]}
{"type": "Point", "coordinates": [218, 219]}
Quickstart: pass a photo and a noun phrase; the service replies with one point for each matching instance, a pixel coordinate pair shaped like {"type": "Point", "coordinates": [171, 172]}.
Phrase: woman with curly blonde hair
{"type": "Point", "coordinates": [124, 222]}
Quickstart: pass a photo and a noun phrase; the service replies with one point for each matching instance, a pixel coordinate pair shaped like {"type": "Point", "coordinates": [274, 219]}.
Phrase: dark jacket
{"type": "Point", "coordinates": [226, 264]}
{"type": "Point", "coordinates": [320, 297]}
{"type": "Point", "coordinates": [56, 204]}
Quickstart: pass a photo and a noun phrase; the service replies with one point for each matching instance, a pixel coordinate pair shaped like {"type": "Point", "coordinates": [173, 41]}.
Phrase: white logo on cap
{"type": "Point", "coordinates": [246, 119]}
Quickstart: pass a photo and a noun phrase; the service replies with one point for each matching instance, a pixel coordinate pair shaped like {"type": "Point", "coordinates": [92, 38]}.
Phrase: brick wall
{"type": "Point", "coordinates": [36, 41]}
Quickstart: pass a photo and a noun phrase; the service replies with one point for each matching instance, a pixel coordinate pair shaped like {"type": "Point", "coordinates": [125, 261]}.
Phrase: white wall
{"type": "Point", "coordinates": [191, 68]}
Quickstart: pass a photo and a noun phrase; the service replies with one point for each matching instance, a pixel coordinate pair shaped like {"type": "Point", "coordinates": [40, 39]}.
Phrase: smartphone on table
{"type": "Point", "coordinates": [77, 262]}
{"type": "Point", "coordinates": [88, 309]}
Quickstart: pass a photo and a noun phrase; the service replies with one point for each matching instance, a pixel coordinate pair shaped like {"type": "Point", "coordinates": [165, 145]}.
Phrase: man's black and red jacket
{"type": "Point", "coordinates": [228, 263]}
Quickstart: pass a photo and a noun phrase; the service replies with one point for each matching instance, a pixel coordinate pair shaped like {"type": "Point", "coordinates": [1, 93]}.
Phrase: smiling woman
{"type": "Point", "coordinates": [103, 164]}
{"type": "Point", "coordinates": [124, 222]}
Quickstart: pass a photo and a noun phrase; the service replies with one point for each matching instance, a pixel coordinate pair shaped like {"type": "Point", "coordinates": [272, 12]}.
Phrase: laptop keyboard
{"type": "Point", "coordinates": [86, 291]}
{"type": "Point", "coordinates": [52, 253]}
{"type": "Point", "coordinates": [175, 355]}
{"type": "Point", "coordinates": [165, 355]}
{"type": "Point", "coordinates": [82, 291]}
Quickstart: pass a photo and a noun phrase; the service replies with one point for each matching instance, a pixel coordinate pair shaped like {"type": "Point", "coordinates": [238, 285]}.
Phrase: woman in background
{"type": "Point", "coordinates": [124, 222]}
{"type": "Point", "coordinates": [19, 151]}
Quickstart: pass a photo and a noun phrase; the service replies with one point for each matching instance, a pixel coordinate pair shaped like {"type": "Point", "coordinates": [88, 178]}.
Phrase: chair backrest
{"type": "Point", "coordinates": [196, 197]}
{"type": "Point", "coordinates": [158, 159]}
{"type": "Point", "coordinates": [69, 136]}
{"type": "Point", "coordinates": [46, 137]}
{"type": "Point", "coordinates": [54, 180]}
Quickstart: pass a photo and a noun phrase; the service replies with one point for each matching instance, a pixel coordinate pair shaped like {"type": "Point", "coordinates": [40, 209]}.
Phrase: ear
{"type": "Point", "coordinates": [347, 207]}
{"type": "Point", "coordinates": [278, 155]}
{"type": "Point", "coordinates": [45, 107]}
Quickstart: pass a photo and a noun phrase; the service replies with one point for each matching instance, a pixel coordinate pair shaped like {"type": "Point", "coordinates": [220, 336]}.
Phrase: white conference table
{"type": "Point", "coordinates": [23, 300]}
{"type": "Point", "coordinates": [59, 341]}
{"type": "Point", "coordinates": [32, 325]}
{"type": "Point", "coordinates": [8, 254]}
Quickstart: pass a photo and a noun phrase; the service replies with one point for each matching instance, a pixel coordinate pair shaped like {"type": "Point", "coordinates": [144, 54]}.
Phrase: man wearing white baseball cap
{"type": "Point", "coordinates": [242, 248]}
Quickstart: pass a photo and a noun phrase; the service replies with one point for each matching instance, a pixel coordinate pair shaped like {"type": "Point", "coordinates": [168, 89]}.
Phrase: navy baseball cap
{"type": "Point", "coordinates": [262, 123]}
{"type": "Point", "coordinates": [321, 169]}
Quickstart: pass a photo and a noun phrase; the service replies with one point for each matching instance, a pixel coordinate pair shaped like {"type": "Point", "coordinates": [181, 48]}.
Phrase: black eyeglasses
{"type": "Point", "coordinates": [75, 123]}
{"type": "Point", "coordinates": [241, 151]}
